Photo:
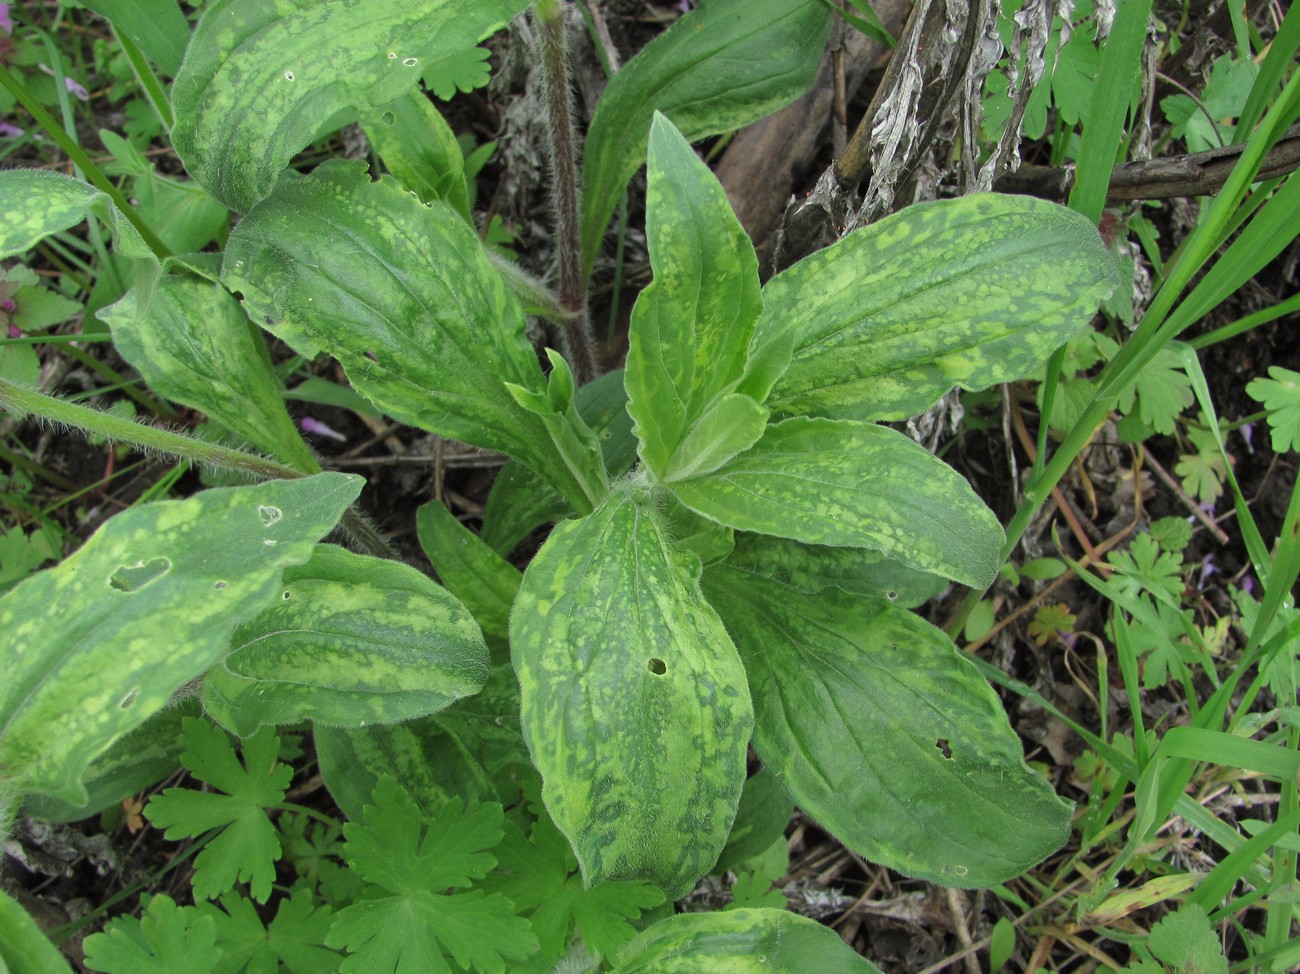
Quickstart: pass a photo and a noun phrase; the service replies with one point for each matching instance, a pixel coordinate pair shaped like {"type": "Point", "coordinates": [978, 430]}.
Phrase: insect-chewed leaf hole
{"type": "Point", "coordinates": [657, 666]}
{"type": "Point", "coordinates": [388, 118]}
{"type": "Point", "coordinates": [220, 584]}
{"type": "Point", "coordinates": [268, 514]}
{"type": "Point", "coordinates": [892, 596]}
{"type": "Point", "coordinates": [129, 698]}
{"type": "Point", "coordinates": [132, 578]}
{"type": "Point", "coordinates": [944, 749]}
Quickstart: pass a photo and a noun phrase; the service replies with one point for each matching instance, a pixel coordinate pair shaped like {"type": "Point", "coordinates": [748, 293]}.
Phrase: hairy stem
{"type": "Point", "coordinates": [563, 144]}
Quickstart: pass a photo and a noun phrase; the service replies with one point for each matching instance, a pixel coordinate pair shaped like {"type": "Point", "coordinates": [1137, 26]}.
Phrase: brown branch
{"type": "Point", "coordinates": [1197, 174]}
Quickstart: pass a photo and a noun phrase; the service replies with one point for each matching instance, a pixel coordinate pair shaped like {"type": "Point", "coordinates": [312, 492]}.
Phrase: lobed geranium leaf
{"type": "Point", "coordinates": [691, 325]}
{"type": "Point", "coordinates": [723, 65]}
{"type": "Point", "coordinates": [634, 702]}
{"type": "Point", "coordinates": [150, 603]}
{"type": "Point", "coordinates": [417, 862]}
{"type": "Point", "coordinates": [837, 482]}
{"type": "Point", "coordinates": [966, 292]}
{"type": "Point", "coordinates": [754, 941]}
{"type": "Point", "coordinates": [886, 736]}
{"type": "Point", "coordinates": [168, 938]}
{"type": "Point", "coordinates": [194, 345]}
{"type": "Point", "coordinates": [1280, 395]}
{"type": "Point", "coordinates": [278, 72]}
{"type": "Point", "coordinates": [247, 848]}
{"type": "Point", "coordinates": [351, 640]}
{"type": "Point", "coordinates": [293, 938]}
{"type": "Point", "coordinates": [403, 296]}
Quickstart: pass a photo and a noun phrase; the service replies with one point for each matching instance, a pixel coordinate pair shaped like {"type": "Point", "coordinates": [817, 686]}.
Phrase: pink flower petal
{"type": "Point", "coordinates": [318, 428]}
{"type": "Point", "coordinates": [6, 19]}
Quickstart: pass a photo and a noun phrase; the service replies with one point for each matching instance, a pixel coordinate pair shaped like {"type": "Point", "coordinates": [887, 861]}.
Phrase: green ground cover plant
{"type": "Point", "coordinates": [535, 756]}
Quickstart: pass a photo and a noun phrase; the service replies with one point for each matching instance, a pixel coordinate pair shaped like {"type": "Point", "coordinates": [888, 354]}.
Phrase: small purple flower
{"type": "Point", "coordinates": [6, 19]}
{"type": "Point", "coordinates": [1247, 431]}
{"type": "Point", "coordinates": [315, 426]}
{"type": "Point", "coordinates": [14, 330]}
{"type": "Point", "coordinates": [8, 131]}
{"type": "Point", "coordinates": [75, 88]}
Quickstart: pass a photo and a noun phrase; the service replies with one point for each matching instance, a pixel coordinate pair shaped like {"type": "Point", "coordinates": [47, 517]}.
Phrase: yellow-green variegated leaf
{"type": "Point", "coordinates": [811, 568]}
{"type": "Point", "coordinates": [885, 735]}
{"type": "Point", "coordinates": [262, 78]}
{"type": "Point", "coordinates": [635, 707]}
{"type": "Point", "coordinates": [691, 326]}
{"type": "Point", "coordinates": [144, 607]}
{"type": "Point", "coordinates": [859, 485]}
{"type": "Point", "coordinates": [468, 751]}
{"type": "Point", "coordinates": [351, 640]}
{"type": "Point", "coordinates": [723, 65]}
{"type": "Point", "coordinates": [966, 292]}
{"type": "Point", "coordinates": [752, 941]}
{"type": "Point", "coordinates": [194, 345]}
{"type": "Point", "coordinates": [35, 203]}
{"type": "Point", "coordinates": [402, 294]}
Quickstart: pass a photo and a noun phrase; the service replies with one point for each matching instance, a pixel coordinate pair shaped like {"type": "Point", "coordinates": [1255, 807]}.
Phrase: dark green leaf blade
{"type": "Point", "coordinates": [635, 706]}
{"type": "Point", "coordinates": [966, 292]}
{"type": "Point", "coordinates": [691, 326]}
{"type": "Point", "coordinates": [277, 72]}
{"type": "Point", "coordinates": [157, 26]}
{"type": "Point", "coordinates": [472, 571]}
{"type": "Point", "coordinates": [152, 599]}
{"type": "Point", "coordinates": [740, 942]}
{"type": "Point", "coordinates": [351, 640]}
{"type": "Point", "coordinates": [194, 345]}
{"type": "Point", "coordinates": [886, 735]}
{"type": "Point", "coordinates": [723, 65]}
{"type": "Point", "coordinates": [836, 482]}
{"type": "Point", "coordinates": [403, 296]}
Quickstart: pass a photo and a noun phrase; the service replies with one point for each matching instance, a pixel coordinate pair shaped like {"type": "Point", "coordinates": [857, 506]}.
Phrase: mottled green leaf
{"type": "Point", "coordinates": [472, 571]}
{"type": "Point", "coordinates": [966, 292]}
{"type": "Point", "coordinates": [24, 948]}
{"type": "Point", "coordinates": [403, 296]}
{"type": "Point", "coordinates": [158, 27]}
{"type": "Point", "coordinates": [418, 147]}
{"type": "Point", "coordinates": [519, 501]}
{"type": "Point", "coordinates": [147, 604]}
{"type": "Point", "coordinates": [723, 65]}
{"type": "Point", "coordinates": [351, 640]}
{"type": "Point", "coordinates": [635, 707]}
{"type": "Point", "coordinates": [136, 761]}
{"type": "Point", "coordinates": [740, 942]}
{"type": "Point", "coordinates": [812, 567]}
{"type": "Point", "coordinates": [691, 325]}
{"type": "Point", "coordinates": [765, 810]}
{"type": "Point", "coordinates": [278, 72]}
{"type": "Point", "coordinates": [195, 345]}
{"type": "Point", "coordinates": [886, 736]}
{"type": "Point", "coordinates": [457, 752]}
{"type": "Point", "coordinates": [836, 482]}
{"type": "Point", "coordinates": [35, 203]}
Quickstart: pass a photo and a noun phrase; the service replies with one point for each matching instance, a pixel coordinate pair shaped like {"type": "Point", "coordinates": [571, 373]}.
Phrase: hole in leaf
{"type": "Point", "coordinates": [392, 55]}
{"type": "Point", "coordinates": [129, 698]}
{"type": "Point", "coordinates": [288, 76]}
{"type": "Point", "coordinates": [944, 749]}
{"type": "Point", "coordinates": [285, 596]}
{"type": "Point", "coordinates": [269, 515]}
{"type": "Point", "coordinates": [892, 596]}
{"type": "Point", "coordinates": [220, 584]}
{"type": "Point", "coordinates": [388, 118]}
{"type": "Point", "coordinates": [132, 578]}
{"type": "Point", "coordinates": [657, 666]}
{"type": "Point", "coordinates": [411, 62]}
{"type": "Point", "coordinates": [371, 355]}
